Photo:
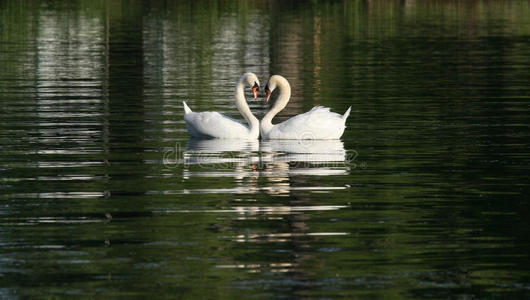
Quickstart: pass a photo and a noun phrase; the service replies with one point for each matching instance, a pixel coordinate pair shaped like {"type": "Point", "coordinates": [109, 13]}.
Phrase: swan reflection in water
{"type": "Point", "coordinates": [275, 160]}
{"type": "Point", "coordinates": [270, 167]}
{"type": "Point", "coordinates": [220, 151]}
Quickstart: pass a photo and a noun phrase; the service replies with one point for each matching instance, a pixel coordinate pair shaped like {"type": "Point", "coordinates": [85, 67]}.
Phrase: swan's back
{"type": "Point", "coordinates": [211, 124]}
{"type": "Point", "coordinates": [319, 123]}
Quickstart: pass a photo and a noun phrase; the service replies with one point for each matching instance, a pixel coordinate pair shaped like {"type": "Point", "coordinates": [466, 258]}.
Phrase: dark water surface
{"type": "Point", "coordinates": [103, 193]}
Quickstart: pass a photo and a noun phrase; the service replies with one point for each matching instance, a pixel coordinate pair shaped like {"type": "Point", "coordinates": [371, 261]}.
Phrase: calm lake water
{"type": "Point", "coordinates": [103, 194]}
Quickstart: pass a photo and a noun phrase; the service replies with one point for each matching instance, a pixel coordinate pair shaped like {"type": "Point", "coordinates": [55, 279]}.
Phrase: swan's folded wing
{"type": "Point", "coordinates": [216, 125]}
{"type": "Point", "coordinates": [318, 123]}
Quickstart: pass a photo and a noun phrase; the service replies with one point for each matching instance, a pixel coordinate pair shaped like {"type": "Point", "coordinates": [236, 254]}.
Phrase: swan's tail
{"type": "Point", "coordinates": [187, 110]}
{"type": "Point", "coordinates": [346, 114]}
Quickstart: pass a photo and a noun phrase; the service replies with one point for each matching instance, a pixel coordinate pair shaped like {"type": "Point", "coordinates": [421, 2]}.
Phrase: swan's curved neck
{"type": "Point", "coordinates": [281, 102]}
{"type": "Point", "coordinates": [242, 106]}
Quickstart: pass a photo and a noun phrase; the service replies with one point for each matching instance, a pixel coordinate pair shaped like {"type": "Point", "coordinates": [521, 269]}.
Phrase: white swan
{"type": "Point", "coordinates": [317, 124]}
{"type": "Point", "coordinates": [211, 124]}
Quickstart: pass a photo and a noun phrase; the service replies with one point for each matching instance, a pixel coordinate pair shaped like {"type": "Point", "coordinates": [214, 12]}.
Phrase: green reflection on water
{"type": "Point", "coordinates": [433, 205]}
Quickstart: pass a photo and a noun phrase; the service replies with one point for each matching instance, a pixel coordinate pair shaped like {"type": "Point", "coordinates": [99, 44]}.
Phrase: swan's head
{"type": "Point", "coordinates": [274, 81]}
{"type": "Point", "coordinates": [253, 82]}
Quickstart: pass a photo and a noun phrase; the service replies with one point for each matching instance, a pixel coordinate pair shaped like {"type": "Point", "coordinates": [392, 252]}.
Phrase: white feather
{"type": "Point", "coordinates": [211, 124]}
{"type": "Point", "coordinates": [317, 124]}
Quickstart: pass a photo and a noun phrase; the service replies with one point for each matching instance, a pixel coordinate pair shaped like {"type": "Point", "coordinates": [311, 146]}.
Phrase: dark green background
{"type": "Point", "coordinates": [433, 205]}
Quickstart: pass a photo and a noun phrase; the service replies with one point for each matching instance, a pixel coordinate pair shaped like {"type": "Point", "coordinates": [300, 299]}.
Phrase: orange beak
{"type": "Point", "coordinates": [255, 89]}
{"type": "Point", "coordinates": [268, 93]}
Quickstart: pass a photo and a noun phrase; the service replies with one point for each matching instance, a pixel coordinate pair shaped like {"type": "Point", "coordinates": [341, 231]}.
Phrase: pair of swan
{"type": "Point", "coordinates": [317, 124]}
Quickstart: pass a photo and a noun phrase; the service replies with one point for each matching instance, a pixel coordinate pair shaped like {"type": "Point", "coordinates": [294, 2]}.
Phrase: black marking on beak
{"type": "Point", "coordinates": [267, 93]}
